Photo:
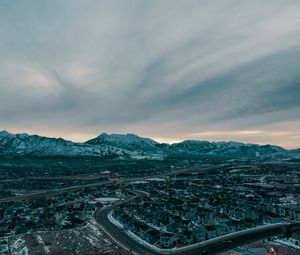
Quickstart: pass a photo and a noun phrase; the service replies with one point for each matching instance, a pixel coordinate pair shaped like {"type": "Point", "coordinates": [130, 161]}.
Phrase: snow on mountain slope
{"type": "Point", "coordinates": [24, 144]}
{"type": "Point", "coordinates": [226, 148]}
{"type": "Point", "coordinates": [128, 142]}
{"type": "Point", "coordinates": [130, 145]}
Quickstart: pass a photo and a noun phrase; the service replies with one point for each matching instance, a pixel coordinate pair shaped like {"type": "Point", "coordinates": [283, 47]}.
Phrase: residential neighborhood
{"type": "Point", "coordinates": [193, 207]}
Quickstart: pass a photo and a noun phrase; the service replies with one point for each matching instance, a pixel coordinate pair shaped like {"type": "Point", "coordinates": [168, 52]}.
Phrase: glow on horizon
{"type": "Point", "coordinates": [285, 139]}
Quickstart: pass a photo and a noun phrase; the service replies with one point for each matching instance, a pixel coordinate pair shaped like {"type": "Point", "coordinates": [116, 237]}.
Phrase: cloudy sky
{"type": "Point", "coordinates": [170, 70]}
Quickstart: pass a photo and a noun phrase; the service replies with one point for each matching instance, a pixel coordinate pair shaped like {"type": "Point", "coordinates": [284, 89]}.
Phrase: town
{"type": "Point", "coordinates": [177, 206]}
{"type": "Point", "coordinates": [192, 207]}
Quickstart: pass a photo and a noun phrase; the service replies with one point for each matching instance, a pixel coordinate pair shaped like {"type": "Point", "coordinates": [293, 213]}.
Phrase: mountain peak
{"type": "Point", "coordinates": [125, 141]}
{"type": "Point", "coordinates": [103, 135]}
{"type": "Point", "coordinates": [120, 137]}
{"type": "Point", "coordinates": [4, 133]}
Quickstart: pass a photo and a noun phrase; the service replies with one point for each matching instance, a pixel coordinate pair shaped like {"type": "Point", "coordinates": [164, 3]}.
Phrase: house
{"type": "Point", "coordinates": [238, 213]}
{"type": "Point", "coordinates": [203, 203]}
{"type": "Point", "coordinates": [272, 218]}
{"type": "Point", "coordinates": [153, 235]}
{"type": "Point", "coordinates": [149, 234]}
{"type": "Point", "coordinates": [172, 227]}
{"type": "Point", "coordinates": [211, 231]}
{"type": "Point", "coordinates": [175, 219]}
{"type": "Point", "coordinates": [208, 217]}
{"type": "Point", "coordinates": [186, 223]}
{"type": "Point", "coordinates": [232, 225]}
{"type": "Point", "coordinates": [131, 223]}
{"type": "Point", "coordinates": [167, 239]}
{"type": "Point", "coordinates": [222, 218]}
{"type": "Point", "coordinates": [221, 229]}
{"type": "Point", "coordinates": [251, 213]}
{"type": "Point", "coordinates": [199, 233]}
{"type": "Point", "coordinates": [249, 222]}
{"type": "Point", "coordinates": [186, 237]}
{"type": "Point", "coordinates": [163, 218]}
{"type": "Point", "coordinates": [297, 214]}
{"type": "Point", "coordinates": [124, 218]}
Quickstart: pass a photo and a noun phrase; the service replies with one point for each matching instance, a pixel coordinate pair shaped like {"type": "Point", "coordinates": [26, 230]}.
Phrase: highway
{"type": "Point", "coordinates": [54, 191]}
{"type": "Point", "coordinates": [78, 187]}
{"type": "Point", "coordinates": [212, 246]}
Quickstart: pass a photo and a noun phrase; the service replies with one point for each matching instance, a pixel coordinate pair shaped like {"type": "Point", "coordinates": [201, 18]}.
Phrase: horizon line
{"type": "Point", "coordinates": [160, 140]}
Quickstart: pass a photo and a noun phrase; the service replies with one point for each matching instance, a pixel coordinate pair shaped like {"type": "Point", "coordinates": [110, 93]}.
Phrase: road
{"type": "Point", "coordinates": [78, 187]}
{"type": "Point", "coordinates": [118, 235]}
{"type": "Point", "coordinates": [212, 246]}
{"type": "Point", "coordinates": [54, 191]}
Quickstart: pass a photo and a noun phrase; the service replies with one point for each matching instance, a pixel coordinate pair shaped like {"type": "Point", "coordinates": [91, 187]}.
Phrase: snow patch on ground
{"type": "Point", "coordinates": [138, 182]}
{"type": "Point", "coordinates": [107, 199]}
{"type": "Point", "coordinates": [156, 179]}
{"type": "Point", "coordinates": [97, 233]}
{"type": "Point", "coordinates": [95, 230]}
{"type": "Point", "coordinates": [41, 241]}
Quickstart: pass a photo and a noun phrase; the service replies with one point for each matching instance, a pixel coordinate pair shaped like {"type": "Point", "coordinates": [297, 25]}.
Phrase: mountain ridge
{"type": "Point", "coordinates": [129, 145]}
{"type": "Point", "coordinates": [35, 145]}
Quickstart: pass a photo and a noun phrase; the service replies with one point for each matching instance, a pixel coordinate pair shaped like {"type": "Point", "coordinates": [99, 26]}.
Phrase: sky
{"type": "Point", "coordinates": [169, 70]}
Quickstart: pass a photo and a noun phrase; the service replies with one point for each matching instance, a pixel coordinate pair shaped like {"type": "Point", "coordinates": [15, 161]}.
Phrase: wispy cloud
{"type": "Point", "coordinates": [159, 66]}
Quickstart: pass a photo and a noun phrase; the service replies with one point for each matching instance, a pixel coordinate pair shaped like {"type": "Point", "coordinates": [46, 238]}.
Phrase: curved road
{"type": "Point", "coordinates": [212, 246]}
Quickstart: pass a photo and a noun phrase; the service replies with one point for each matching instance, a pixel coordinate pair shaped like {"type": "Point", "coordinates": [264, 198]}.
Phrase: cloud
{"type": "Point", "coordinates": [163, 66]}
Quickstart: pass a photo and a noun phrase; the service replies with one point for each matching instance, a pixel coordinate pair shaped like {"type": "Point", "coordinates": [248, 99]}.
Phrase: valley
{"type": "Point", "coordinates": [210, 197]}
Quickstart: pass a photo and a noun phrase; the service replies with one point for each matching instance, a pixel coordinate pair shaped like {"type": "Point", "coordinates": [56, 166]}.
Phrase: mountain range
{"type": "Point", "coordinates": [130, 146]}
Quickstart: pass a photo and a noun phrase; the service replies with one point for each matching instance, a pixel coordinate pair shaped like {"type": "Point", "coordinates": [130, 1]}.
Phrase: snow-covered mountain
{"type": "Point", "coordinates": [138, 147]}
{"type": "Point", "coordinates": [227, 148]}
{"type": "Point", "coordinates": [128, 142]}
{"type": "Point", "coordinates": [130, 145]}
{"type": "Point", "coordinates": [34, 145]}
